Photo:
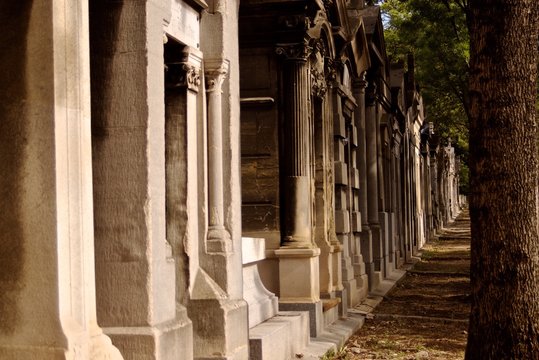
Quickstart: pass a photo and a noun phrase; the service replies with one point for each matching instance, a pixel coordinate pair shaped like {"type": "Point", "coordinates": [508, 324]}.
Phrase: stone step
{"type": "Point", "coordinates": [286, 336]}
{"type": "Point", "coordinates": [280, 337]}
{"type": "Point", "coordinates": [333, 337]}
{"type": "Point", "coordinates": [317, 349]}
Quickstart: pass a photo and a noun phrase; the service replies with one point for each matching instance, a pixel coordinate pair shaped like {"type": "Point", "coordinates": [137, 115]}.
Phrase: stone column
{"type": "Point", "coordinates": [218, 289]}
{"type": "Point", "coordinates": [296, 232]}
{"type": "Point", "coordinates": [408, 193]}
{"type": "Point", "coordinates": [371, 135]}
{"type": "Point", "coordinates": [218, 237]}
{"type": "Point", "coordinates": [298, 255]}
{"type": "Point", "coordinates": [366, 235]}
{"type": "Point", "coordinates": [394, 199]}
{"type": "Point", "coordinates": [400, 202]}
{"type": "Point", "coordinates": [383, 216]}
{"type": "Point", "coordinates": [434, 188]}
{"type": "Point", "coordinates": [47, 281]}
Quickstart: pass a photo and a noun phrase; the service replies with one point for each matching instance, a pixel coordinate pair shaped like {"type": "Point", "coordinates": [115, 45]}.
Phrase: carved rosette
{"type": "Point", "coordinates": [182, 75]}
{"type": "Point", "coordinates": [294, 52]}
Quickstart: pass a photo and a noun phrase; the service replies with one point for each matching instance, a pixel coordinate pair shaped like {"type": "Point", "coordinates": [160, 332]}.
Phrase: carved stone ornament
{"type": "Point", "coordinates": [361, 82]}
{"type": "Point", "coordinates": [371, 95]}
{"type": "Point", "coordinates": [215, 72]}
{"type": "Point", "coordinates": [318, 83]}
{"type": "Point", "coordinates": [180, 75]}
{"type": "Point", "coordinates": [332, 67]}
{"type": "Point", "coordinates": [320, 47]}
{"type": "Point", "coordinates": [214, 80]}
{"type": "Point", "coordinates": [297, 51]}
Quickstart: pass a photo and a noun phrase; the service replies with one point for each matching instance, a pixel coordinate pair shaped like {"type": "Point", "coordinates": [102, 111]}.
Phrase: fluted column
{"type": "Point", "coordinates": [218, 236]}
{"type": "Point", "coordinates": [371, 135]}
{"type": "Point", "coordinates": [299, 276]}
{"type": "Point", "coordinates": [297, 146]}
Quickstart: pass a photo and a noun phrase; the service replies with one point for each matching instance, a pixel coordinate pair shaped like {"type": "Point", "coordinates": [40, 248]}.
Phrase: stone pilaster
{"type": "Point", "coordinates": [365, 243]}
{"type": "Point", "coordinates": [338, 249]}
{"type": "Point", "coordinates": [47, 282]}
{"type": "Point", "coordinates": [322, 175]}
{"type": "Point", "coordinates": [182, 111]}
{"type": "Point", "coordinates": [135, 269]}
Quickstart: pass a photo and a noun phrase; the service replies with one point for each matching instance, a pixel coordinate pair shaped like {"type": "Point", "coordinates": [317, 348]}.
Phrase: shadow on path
{"type": "Point", "coordinates": [425, 316]}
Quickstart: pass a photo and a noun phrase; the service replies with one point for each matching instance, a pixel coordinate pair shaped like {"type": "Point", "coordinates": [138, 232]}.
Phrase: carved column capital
{"type": "Point", "coordinates": [295, 52]}
{"type": "Point", "coordinates": [371, 95]}
{"type": "Point", "coordinates": [215, 72]}
{"type": "Point", "coordinates": [361, 82]}
{"type": "Point", "coordinates": [182, 75]}
{"type": "Point", "coordinates": [185, 72]}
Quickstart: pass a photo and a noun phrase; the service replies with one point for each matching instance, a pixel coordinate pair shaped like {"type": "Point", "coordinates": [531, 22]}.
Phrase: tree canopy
{"type": "Point", "coordinates": [435, 32]}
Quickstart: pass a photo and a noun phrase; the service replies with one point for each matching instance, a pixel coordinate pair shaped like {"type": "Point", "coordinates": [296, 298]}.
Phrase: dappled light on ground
{"type": "Point", "coordinates": [426, 315]}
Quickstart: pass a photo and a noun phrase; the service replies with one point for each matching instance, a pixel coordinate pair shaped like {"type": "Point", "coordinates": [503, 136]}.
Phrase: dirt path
{"type": "Point", "coordinates": [426, 315]}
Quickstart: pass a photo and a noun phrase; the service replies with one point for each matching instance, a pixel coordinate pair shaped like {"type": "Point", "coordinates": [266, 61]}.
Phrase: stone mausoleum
{"type": "Point", "coordinates": [219, 179]}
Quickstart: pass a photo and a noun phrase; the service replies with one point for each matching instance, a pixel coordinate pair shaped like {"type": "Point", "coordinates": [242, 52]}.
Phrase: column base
{"type": "Point", "coordinates": [326, 268]}
{"type": "Point", "coordinates": [34, 353]}
{"type": "Point", "coordinates": [337, 267]}
{"type": "Point", "coordinates": [349, 283]}
{"type": "Point", "coordinates": [79, 345]}
{"type": "Point", "coordinates": [299, 280]}
{"type": "Point", "coordinates": [316, 314]}
{"type": "Point", "coordinates": [161, 341]}
{"type": "Point", "coordinates": [220, 326]}
{"type": "Point", "coordinates": [374, 276]}
{"type": "Point", "coordinates": [219, 240]}
{"type": "Point", "coordinates": [101, 347]}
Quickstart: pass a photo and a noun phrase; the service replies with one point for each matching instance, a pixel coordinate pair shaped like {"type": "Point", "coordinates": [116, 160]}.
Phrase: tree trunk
{"type": "Point", "coordinates": [504, 320]}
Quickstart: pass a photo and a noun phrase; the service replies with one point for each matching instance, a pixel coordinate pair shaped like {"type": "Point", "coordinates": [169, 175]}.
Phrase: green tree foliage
{"type": "Point", "coordinates": [435, 32]}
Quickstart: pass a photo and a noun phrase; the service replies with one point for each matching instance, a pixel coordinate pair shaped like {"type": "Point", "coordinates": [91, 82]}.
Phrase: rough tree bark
{"type": "Point", "coordinates": [504, 320]}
